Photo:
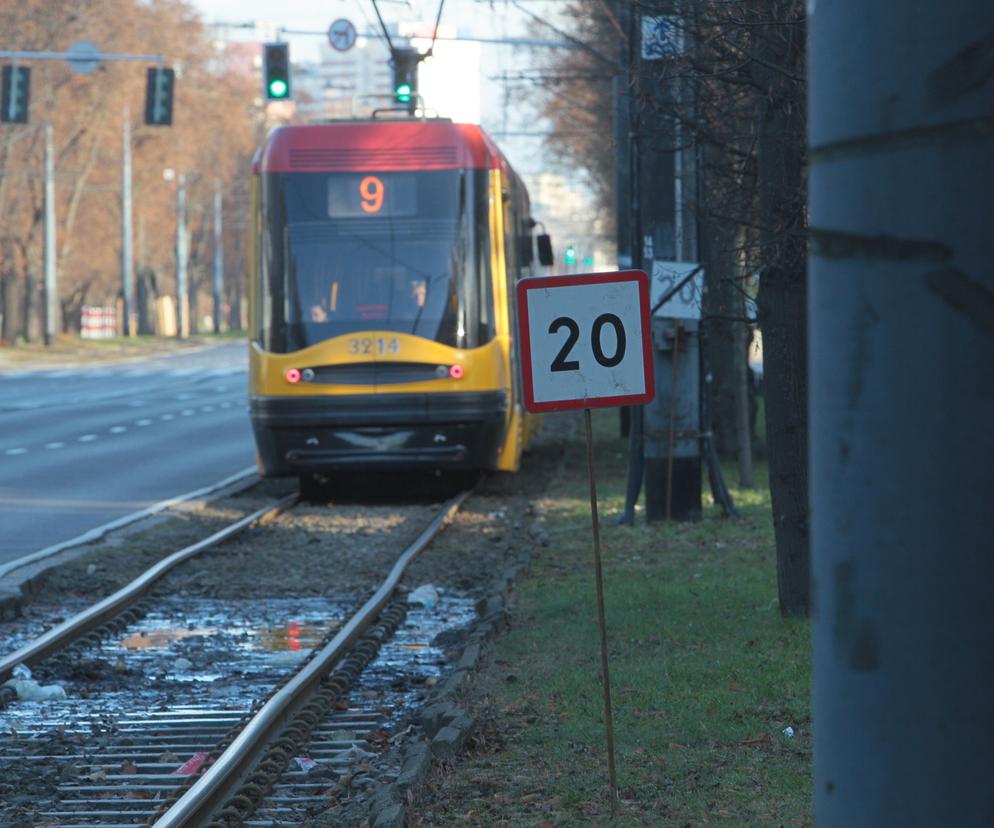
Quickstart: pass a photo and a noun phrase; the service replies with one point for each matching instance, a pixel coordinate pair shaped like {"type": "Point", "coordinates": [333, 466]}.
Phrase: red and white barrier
{"type": "Point", "coordinates": [97, 322]}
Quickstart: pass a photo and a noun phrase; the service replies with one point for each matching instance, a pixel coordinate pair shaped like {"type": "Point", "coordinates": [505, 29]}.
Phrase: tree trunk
{"type": "Point", "coordinates": [783, 297]}
{"type": "Point", "coordinates": [717, 256]}
{"type": "Point", "coordinates": [143, 292]}
{"type": "Point", "coordinates": [6, 308]}
{"type": "Point", "coordinates": [30, 318]}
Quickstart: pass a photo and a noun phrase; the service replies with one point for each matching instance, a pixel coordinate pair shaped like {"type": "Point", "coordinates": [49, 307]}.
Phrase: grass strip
{"type": "Point", "coordinates": [705, 674]}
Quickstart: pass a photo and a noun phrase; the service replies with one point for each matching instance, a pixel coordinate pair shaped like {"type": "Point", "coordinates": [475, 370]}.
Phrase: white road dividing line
{"type": "Point", "coordinates": [14, 451]}
{"type": "Point", "coordinates": [143, 423]}
{"type": "Point", "coordinates": [167, 417]}
{"type": "Point", "coordinates": [118, 429]}
{"type": "Point", "coordinates": [55, 445]}
{"type": "Point", "coordinates": [186, 412]}
{"type": "Point", "coordinates": [87, 438]}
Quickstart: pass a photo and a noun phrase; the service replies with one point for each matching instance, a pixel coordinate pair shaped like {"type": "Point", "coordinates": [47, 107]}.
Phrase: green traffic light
{"type": "Point", "coordinates": [403, 93]}
{"type": "Point", "coordinates": [277, 88]}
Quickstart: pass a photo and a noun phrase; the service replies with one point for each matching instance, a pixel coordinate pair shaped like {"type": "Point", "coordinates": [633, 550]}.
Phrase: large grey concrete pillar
{"type": "Point", "coordinates": [901, 305]}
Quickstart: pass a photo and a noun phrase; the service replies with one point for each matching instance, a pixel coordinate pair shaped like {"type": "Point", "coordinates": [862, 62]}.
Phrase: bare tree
{"type": "Point", "coordinates": [743, 65]}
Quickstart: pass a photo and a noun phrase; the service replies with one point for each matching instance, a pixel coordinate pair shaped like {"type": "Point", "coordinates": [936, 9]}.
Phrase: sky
{"type": "Point", "coordinates": [495, 19]}
{"type": "Point", "coordinates": [483, 18]}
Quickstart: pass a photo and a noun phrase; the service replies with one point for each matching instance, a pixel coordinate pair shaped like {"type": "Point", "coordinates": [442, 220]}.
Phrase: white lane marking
{"type": "Point", "coordinates": [226, 404]}
{"type": "Point", "coordinates": [118, 429]}
{"type": "Point", "coordinates": [87, 438]}
{"type": "Point", "coordinates": [220, 389]}
{"type": "Point", "coordinates": [55, 445]}
{"type": "Point", "coordinates": [100, 531]}
{"type": "Point", "coordinates": [207, 408]}
{"type": "Point", "coordinates": [168, 417]}
{"type": "Point", "coordinates": [143, 422]}
{"type": "Point", "coordinates": [184, 396]}
{"type": "Point", "coordinates": [136, 403]}
{"type": "Point", "coordinates": [186, 412]}
{"type": "Point", "coordinates": [16, 451]}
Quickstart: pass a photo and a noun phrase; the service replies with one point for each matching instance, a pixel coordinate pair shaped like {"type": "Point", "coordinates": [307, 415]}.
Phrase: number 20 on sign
{"type": "Point", "coordinates": [585, 340]}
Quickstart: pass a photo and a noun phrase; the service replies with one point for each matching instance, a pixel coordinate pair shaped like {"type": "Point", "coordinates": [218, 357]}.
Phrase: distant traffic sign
{"type": "Point", "coordinates": [341, 35]}
{"type": "Point", "coordinates": [585, 340]}
{"type": "Point", "coordinates": [84, 57]}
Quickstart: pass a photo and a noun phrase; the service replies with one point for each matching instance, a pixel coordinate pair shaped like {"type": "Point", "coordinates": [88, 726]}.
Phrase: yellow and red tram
{"type": "Point", "coordinates": [382, 299]}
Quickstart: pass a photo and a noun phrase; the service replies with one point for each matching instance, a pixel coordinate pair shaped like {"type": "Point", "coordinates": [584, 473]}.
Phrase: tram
{"type": "Point", "coordinates": [381, 305]}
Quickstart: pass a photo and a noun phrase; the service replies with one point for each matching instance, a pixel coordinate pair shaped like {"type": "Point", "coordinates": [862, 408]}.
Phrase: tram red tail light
{"type": "Point", "coordinates": [292, 376]}
{"type": "Point", "coordinates": [456, 371]}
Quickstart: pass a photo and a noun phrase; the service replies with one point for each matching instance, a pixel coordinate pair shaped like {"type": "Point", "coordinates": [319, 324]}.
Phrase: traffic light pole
{"type": "Point", "coordinates": [127, 250]}
{"type": "Point", "coordinates": [50, 292]}
{"type": "Point", "coordinates": [217, 280]}
{"type": "Point", "coordinates": [74, 56]}
{"type": "Point", "coordinates": [181, 294]}
{"type": "Point", "coordinates": [84, 57]}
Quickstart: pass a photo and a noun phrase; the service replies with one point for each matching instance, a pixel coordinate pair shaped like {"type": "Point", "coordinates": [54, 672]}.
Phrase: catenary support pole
{"type": "Point", "coordinates": [51, 297]}
{"type": "Point", "coordinates": [182, 298]}
{"type": "Point", "coordinates": [127, 233]}
{"type": "Point", "coordinates": [901, 308]}
{"type": "Point", "coordinates": [217, 280]}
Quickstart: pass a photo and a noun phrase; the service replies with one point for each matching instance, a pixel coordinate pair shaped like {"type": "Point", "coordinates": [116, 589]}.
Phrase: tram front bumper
{"type": "Point", "coordinates": [304, 435]}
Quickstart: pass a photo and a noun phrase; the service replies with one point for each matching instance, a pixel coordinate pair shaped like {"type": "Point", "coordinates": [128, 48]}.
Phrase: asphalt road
{"type": "Point", "coordinates": [84, 445]}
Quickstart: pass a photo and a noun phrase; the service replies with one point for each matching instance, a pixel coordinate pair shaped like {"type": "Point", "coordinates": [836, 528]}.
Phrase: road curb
{"type": "Point", "coordinates": [23, 588]}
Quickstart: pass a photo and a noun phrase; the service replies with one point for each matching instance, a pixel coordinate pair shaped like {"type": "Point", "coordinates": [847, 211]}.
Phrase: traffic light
{"type": "Point", "coordinates": [405, 76]}
{"type": "Point", "coordinates": [159, 96]}
{"type": "Point", "coordinates": [570, 257]}
{"type": "Point", "coordinates": [16, 94]}
{"type": "Point", "coordinates": [276, 60]}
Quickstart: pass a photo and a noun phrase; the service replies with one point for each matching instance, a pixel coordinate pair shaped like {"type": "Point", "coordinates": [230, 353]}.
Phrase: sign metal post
{"type": "Point", "coordinates": [586, 343]}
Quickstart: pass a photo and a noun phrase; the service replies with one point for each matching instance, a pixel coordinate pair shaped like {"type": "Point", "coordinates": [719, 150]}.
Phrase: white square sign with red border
{"type": "Point", "coordinates": [585, 340]}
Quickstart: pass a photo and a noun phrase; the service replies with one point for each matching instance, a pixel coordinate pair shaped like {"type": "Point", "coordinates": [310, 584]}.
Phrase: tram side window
{"type": "Point", "coordinates": [481, 233]}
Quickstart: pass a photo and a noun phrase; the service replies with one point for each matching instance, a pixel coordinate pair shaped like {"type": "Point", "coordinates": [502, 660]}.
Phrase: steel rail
{"type": "Point", "coordinates": [110, 606]}
{"type": "Point", "coordinates": [210, 792]}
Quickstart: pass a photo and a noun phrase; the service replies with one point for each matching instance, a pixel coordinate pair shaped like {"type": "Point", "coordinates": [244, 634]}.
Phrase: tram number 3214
{"type": "Point", "coordinates": [374, 345]}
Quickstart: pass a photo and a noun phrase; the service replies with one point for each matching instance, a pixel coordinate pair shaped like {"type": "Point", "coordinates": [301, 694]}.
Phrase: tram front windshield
{"type": "Point", "coordinates": [393, 251]}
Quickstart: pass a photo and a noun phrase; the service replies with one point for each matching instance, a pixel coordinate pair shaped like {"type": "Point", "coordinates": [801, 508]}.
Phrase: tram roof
{"type": "Point", "coordinates": [377, 145]}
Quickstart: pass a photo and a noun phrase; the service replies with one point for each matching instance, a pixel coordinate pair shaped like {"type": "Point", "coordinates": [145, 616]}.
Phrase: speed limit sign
{"type": "Point", "coordinates": [585, 340]}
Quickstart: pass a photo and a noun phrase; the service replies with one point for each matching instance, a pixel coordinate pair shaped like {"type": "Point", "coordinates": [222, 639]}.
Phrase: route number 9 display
{"type": "Point", "coordinates": [585, 340]}
{"type": "Point", "coordinates": [372, 195]}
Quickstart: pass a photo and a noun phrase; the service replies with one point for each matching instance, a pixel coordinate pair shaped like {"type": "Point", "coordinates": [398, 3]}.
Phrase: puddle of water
{"type": "Point", "coordinates": [290, 636]}
{"type": "Point", "coordinates": [160, 639]}
{"type": "Point", "coordinates": [221, 654]}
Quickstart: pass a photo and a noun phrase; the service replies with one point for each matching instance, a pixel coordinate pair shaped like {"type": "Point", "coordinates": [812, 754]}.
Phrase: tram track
{"type": "Point", "coordinates": [131, 773]}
